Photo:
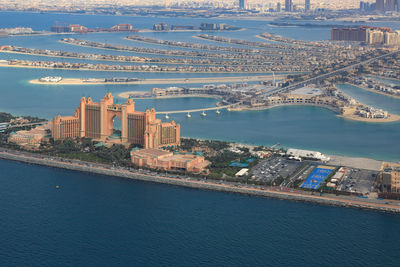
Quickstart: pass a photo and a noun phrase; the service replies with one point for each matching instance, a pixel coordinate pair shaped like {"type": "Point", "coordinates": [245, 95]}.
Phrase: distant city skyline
{"type": "Point", "coordinates": [52, 4]}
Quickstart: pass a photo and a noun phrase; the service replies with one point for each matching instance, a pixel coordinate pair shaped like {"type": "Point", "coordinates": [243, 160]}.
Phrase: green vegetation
{"type": "Point", "coordinates": [220, 169]}
{"type": "Point", "coordinates": [189, 143]}
{"type": "Point", "coordinates": [6, 117]}
{"type": "Point", "coordinates": [85, 149]}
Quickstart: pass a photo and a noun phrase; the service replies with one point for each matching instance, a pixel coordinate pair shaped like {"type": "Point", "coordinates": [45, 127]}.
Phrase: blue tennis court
{"type": "Point", "coordinates": [315, 179]}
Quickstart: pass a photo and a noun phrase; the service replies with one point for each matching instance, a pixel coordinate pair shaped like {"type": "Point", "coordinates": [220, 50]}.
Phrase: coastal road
{"type": "Point", "coordinates": [27, 124]}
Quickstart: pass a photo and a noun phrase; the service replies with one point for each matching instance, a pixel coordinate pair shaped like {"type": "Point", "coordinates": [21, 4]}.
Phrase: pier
{"type": "Point", "coordinates": [194, 110]}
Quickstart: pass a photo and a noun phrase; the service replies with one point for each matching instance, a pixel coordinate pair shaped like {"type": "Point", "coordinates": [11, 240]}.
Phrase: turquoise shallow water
{"type": "Point", "coordinates": [95, 220]}
{"type": "Point", "coordinates": [295, 126]}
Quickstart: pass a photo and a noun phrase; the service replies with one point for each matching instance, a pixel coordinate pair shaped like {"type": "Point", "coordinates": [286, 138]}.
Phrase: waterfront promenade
{"type": "Point", "coordinates": [271, 192]}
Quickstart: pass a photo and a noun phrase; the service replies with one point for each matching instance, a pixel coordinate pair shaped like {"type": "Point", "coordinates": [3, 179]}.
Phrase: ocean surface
{"type": "Point", "coordinates": [94, 220]}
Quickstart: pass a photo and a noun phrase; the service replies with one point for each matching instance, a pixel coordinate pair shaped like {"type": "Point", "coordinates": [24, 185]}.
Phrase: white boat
{"type": "Point", "coordinates": [218, 112]}
{"type": "Point", "coordinates": [166, 116]}
{"type": "Point", "coordinates": [188, 115]}
{"type": "Point", "coordinates": [203, 114]}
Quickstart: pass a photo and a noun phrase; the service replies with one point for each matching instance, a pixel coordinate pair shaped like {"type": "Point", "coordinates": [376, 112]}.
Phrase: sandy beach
{"type": "Point", "coordinates": [391, 118]}
{"type": "Point", "coordinates": [76, 81]}
{"type": "Point", "coordinates": [142, 96]}
{"type": "Point", "coordinates": [112, 60]}
{"type": "Point", "coordinates": [121, 50]}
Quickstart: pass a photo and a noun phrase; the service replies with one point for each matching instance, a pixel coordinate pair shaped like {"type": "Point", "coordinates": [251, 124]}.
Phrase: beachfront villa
{"type": "Point", "coordinates": [96, 121]}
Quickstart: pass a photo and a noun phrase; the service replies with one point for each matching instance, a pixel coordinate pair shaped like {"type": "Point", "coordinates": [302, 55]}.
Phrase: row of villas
{"type": "Point", "coordinates": [377, 85]}
{"type": "Point", "coordinates": [372, 113]}
{"type": "Point", "coordinates": [296, 99]}
{"type": "Point", "coordinates": [209, 89]}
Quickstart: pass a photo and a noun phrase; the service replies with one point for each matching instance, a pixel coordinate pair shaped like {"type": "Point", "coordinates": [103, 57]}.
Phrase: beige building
{"type": "Point", "coordinates": [302, 99]}
{"type": "Point", "coordinates": [392, 39]}
{"type": "Point", "coordinates": [30, 139]}
{"type": "Point", "coordinates": [379, 37]}
{"type": "Point", "coordinates": [374, 36]}
{"type": "Point", "coordinates": [96, 121]}
{"type": "Point", "coordinates": [165, 160]}
{"type": "Point", "coordinates": [389, 177]}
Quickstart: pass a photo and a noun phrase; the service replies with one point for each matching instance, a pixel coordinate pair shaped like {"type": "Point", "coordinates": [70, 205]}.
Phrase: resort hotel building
{"type": "Point", "coordinates": [96, 121]}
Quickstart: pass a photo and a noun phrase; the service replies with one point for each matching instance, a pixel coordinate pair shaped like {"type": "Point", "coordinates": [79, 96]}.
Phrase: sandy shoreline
{"type": "Point", "coordinates": [374, 91]}
{"type": "Point", "coordinates": [391, 118]}
{"type": "Point", "coordinates": [123, 61]}
{"type": "Point", "coordinates": [269, 192]}
{"type": "Point", "coordinates": [148, 53]}
{"type": "Point", "coordinates": [83, 69]}
{"type": "Point", "coordinates": [76, 81]}
{"type": "Point", "coordinates": [127, 94]}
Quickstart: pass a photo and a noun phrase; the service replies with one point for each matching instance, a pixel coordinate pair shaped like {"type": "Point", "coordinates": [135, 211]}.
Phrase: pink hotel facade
{"type": "Point", "coordinates": [95, 120]}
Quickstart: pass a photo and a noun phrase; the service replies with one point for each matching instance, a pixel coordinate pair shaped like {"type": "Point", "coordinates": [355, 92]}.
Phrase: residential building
{"type": "Point", "coordinates": [30, 139]}
{"type": "Point", "coordinates": [307, 5]}
{"type": "Point", "coordinates": [389, 178]}
{"type": "Point", "coordinates": [380, 5]}
{"type": "Point", "coordinates": [242, 4]}
{"type": "Point", "coordinates": [288, 5]}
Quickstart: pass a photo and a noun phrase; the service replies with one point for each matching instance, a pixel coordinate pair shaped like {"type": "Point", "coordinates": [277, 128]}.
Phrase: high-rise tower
{"type": "Point", "coordinates": [390, 5]}
{"type": "Point", "coordinates": [242, 4]}
{"type": "Point", "coordinates": [288, 5]}
{"type": "Point", "coordinates": [380, 5]}
{"type": "Point", "coordinates": [307, 5]}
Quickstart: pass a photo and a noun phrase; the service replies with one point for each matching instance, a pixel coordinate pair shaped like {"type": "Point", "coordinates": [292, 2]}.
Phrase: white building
{"type": "Point", "coordinates": [242, 172]}
{"type": "Point", "coordinates": [299, 153]}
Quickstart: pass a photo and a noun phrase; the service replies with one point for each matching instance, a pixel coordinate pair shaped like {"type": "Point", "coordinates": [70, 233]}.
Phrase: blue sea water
{"type": "Point", "coordinates": [94, 220]}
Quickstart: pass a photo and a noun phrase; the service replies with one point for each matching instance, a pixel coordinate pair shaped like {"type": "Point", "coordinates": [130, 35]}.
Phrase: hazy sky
{"type": "Point", "coordinates": [315, 3]}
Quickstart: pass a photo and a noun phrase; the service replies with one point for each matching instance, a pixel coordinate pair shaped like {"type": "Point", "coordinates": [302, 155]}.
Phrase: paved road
{"type": "Point", "coordinates": [26, 124]}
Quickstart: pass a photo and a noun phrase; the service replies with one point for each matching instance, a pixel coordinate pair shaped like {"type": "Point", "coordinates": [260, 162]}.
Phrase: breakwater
{"type": "Point", "coordinates": [196, 183]}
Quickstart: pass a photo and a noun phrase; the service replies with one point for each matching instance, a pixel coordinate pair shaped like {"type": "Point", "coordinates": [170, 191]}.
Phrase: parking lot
{"type": "Point", "coordinates": [358, 181]}
{"type": "Point", "coordinates": [271, 169]}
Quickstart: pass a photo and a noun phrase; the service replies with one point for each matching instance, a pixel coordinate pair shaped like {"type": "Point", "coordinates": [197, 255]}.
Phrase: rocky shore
{"type": "Point", "coordinates": [199, 184]}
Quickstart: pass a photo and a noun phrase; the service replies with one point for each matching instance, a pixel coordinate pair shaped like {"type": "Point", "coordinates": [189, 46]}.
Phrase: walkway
{"type": "Point", "coordinates": [195, 110]}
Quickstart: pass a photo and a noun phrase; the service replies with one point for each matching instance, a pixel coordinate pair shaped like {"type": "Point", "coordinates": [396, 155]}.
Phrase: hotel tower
{"type": "Point", "coordinates": [96, 120]}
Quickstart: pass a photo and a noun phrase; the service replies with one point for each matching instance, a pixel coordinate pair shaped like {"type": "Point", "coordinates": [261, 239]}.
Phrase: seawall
{"type": "Point", "coordinates": [192, 183]}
